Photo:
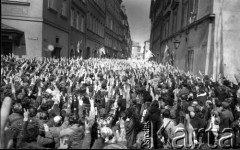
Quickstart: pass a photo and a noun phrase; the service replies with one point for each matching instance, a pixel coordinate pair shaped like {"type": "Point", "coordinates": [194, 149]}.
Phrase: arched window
{"type": "Point", "coordinates": [88, 52]}
{"type": "Point", "coordinates": [72, 53]}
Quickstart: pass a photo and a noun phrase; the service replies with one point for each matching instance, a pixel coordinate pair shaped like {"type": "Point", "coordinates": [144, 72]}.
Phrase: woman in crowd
{"type": "Point", "coordinates": [105, 103]}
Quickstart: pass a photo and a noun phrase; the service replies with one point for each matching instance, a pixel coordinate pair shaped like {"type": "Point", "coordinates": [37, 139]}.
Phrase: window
{"type": "Point", "coordinates": [82, 23]}
{"type": "Point", "coordinates": [139, 50]}
{"type": "Point", "coordinates": [185, 14]}
{"type": "Point", "coordinates": [72, 17]}
{"type": "Point", "coordinates": [190, 60]}
{"type": "Point", "coordinates": [174, 22]}
{"type": "Point", "coordinates": [107, 19]}
{"type": "Point", "coordinates": [101, 30]}
{"type": "Point", "coordinates": [163, 32]}
{"type": "Point", "coordinates": [64, 8]}
{"type": "Point", "coordinates": [88, 21]}
{"type": "Point", "coordinates": [167, 28]}
{"type": "Point", "coordinates": [111, 24]}
{"type": "Point", "coordinates": [91, 22]}
{"type": "Point", "coordinates": [192, 11]}
{"type": "Point", "coordinates": [97, 27]}
{"type": "Point", "coordinates": [77, 21]}
{"type": "Point", "coordinates": [52, 4]}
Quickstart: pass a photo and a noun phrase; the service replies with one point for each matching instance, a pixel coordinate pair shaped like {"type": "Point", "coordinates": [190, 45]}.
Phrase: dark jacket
{"type": "Point", "coordinates": [47, 141]}
{"type": "Point", "coordinates": [226, 119]}
{"type": "Point", "coordinates": [98, 143]}
{"type": "Point", "coordinates": [154, 112]}
{"type": "Point", "coordinates": [87, 141]}
{"type": "Point", "coordinates": [130, 132]}
{"type": "Point", "coordinates": [14, 117]}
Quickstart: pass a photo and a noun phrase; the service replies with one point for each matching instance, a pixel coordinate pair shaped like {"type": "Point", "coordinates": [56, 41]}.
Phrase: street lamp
{"type": "Point", "coordinates": [176, 44]}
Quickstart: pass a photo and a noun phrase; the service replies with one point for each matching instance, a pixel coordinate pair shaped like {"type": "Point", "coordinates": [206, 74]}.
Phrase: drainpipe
{"type": "Point", "coordinates": [208, 48]}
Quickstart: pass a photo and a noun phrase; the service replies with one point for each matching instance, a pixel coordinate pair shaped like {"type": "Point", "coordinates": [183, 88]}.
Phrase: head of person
{"type": "Point", "coordinates": [43, 116]}
{"type": "Point", "coordinates": [17, 108]}
{"type": "Point", "coordinates": [154, 104]}
{"type": "Point", "coordinates": [73, 119]}
{"type": "Point", "coordinates": [166, 113]}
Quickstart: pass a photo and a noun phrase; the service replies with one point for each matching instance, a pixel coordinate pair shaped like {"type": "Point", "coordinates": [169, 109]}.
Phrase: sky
{"type": "Point", "coordinates": [138, 19]}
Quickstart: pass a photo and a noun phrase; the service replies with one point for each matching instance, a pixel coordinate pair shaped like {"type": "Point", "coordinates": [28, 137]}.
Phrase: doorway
{"type": "Point", "coordinates": [56, 53]}
{"type": "Point", "coordinates": [6, 48]}
{"type": "Point", "coordinates": [88, 52]}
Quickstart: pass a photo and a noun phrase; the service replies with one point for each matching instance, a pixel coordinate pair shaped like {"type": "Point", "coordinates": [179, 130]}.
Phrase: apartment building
{"type": "Point", "coordinates": [197, 35]}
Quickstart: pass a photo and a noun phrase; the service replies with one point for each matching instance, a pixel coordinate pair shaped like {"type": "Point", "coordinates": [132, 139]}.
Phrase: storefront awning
{"type": "Point", "coordinates": [8, 29]}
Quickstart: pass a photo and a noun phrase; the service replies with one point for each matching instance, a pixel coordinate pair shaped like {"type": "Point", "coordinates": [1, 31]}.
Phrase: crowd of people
{"type": "Point", "coordinates": [106, 103]}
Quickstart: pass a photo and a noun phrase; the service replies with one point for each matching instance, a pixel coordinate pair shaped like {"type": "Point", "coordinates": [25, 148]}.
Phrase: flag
{"type": "Point", "coordinates": [78, 45]}
{"type": "Point", "coordinates": [165, 53]}
{"type": "Point", "coordinates": [102, 51]}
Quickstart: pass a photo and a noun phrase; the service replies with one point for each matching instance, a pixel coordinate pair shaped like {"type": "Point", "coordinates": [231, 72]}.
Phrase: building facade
{"type": "Point", "coordinates": [72, 27]}
{"type": "Point", "coordinates": [125, 33]}
{"type": "Point", "coordinates": [95, 27]}
{"type": "Point", "coordinates": [136, 51]}
{"type": "Point", "coordinates": [113, 28]}
{"type": "Point", "coordinates": [77, 37]}
{"type": "Point", "coordinates": [32, 21]}
{"type": "Point", "coordinates": [206, 31]}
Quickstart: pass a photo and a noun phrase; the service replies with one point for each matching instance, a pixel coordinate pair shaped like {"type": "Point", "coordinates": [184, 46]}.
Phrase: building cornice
{"type": "Point", "coordinates": [15, 3]}
{"type": "Point", "coordinates": [190, 26]}
{"type": "Point", "coordinates": [25, 18]}
{"type": "Point", "coordinates": [54, 25]}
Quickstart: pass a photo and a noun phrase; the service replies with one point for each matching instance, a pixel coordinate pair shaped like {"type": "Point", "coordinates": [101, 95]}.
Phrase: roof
{"type": "Point", "coordinates": [7, 28]}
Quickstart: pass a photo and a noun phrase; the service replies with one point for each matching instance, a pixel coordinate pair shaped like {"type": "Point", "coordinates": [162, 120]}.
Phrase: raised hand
{"type": "Point", "coordinates": [87, 90]}
{"type": "Point", "coordinates": [106, 98]}
{"type": "Point", "coordinates": [151, 93]}
{"type": "Point", "coordinates": [63, 144]}
{"type": "Point", "coordinates": [26, 114]}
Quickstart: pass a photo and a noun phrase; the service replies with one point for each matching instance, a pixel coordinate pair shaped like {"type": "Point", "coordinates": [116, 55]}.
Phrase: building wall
{"type": "Point", "coordinates": [136, 51]}
{"type": "Point", "coordinates": [113, 27]}
{"type": "Point", "coordinates": [29, 10]}
{"type": "Point", "coordinates": [190, 27]}
{"type": "Point", "coordinates": [55, 17]}
{"type": "Point", "coordinates": [230, 54]}
{"type": "Point", "coordinates": [51, 39]}
{"type": "Point", "coordinates": [31, 41]}
{"type": "Point", "coordinates": [44, 21]}
{"type": "Point", "coordinates": [95, 33]}
{"type": "Point", "coordinates": [213, 36]}
{"type": "Point", "coordinates": [78, 34]}
{"type": "Point", "coordinates": [136, 54]}
{"type": "Point", "coordinates": [28, 17]}
{"type": "Point", "coordinates": [58, 24]}
{"type": "Point", "coordinates": [147, 53]}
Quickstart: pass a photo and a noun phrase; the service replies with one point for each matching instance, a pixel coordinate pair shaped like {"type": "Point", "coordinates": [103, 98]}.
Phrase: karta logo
{"type": "Point", "coordinates": [225, 141]}
{"type": "Point", "coordinates": [147, 134]}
